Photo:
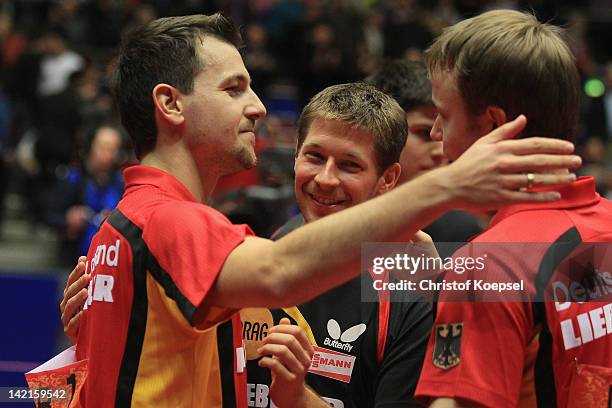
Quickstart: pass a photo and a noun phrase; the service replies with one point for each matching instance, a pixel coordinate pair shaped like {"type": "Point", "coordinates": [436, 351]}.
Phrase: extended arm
{"type": "Point", "coordinates": [326, 253]}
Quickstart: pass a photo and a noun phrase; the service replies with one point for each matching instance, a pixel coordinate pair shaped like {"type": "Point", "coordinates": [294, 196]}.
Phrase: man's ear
{"type": "Point", "coordinates": [389, 178]}
{"type": "Point", "coordinates": [168, 105]}
{"type": "Point", "coordinates": [496, 115]}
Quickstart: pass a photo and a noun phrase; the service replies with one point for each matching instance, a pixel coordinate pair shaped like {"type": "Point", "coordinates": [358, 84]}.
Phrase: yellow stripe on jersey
{"type": "Point", "coordinates": [179, 365]}
{"type": "Point", "coordinates": [299, 318]}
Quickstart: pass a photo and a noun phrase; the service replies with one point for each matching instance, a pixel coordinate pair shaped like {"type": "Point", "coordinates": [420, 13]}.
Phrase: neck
{"type": "Point", "coordinates": [182, 165]}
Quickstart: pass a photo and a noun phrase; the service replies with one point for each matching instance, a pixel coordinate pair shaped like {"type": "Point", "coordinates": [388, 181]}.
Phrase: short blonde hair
{"type": "Point", "coordinates": [362, 106]}
{"type": "Point", "coordinates": [509, 59]}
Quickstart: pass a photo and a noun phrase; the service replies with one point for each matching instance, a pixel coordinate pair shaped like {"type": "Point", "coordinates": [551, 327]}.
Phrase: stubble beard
{"type": "Point", "coordinates": [245, 158]}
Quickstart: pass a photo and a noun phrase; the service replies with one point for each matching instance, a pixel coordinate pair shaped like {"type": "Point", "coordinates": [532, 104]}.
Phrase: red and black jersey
{"type": "Point", "coordinates": [153, 262]}
{"type": "Point", "coordinates": [527, 353]}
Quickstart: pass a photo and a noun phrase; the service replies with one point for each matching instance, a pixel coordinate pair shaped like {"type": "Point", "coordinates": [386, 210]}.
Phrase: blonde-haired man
{"type": "Point", "coordinates": [484, 71]}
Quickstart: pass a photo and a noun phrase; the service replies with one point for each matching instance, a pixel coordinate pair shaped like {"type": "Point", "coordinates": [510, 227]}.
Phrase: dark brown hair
{"type": "Point", "coordinates": [163, 51]}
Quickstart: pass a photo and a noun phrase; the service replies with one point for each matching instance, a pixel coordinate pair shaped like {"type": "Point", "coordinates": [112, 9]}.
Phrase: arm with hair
{"type": "Point", "coordinates": [326, 253]}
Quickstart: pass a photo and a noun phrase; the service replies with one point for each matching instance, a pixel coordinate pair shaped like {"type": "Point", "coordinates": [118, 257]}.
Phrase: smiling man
{"type": "Point", "coordinates": [350, 138]}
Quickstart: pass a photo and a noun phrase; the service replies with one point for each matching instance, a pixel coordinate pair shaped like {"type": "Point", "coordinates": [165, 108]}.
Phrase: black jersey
{"type": "Point", "coordinates": [350, 370]}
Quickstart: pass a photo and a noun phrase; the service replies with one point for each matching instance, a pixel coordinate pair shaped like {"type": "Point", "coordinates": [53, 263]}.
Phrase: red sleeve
{"type": "Point", "coordinates": [477, 349]}
{"type": "Point", "coordinates": [191, 241]}
{"type": "Point", "coordinates": [488, 368]}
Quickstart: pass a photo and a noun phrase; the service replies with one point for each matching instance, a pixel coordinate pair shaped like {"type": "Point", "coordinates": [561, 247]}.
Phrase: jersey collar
{"type": "Point", "coordinates": [580, 193]}
{"type": "Point", "coordinates": [140, 176]}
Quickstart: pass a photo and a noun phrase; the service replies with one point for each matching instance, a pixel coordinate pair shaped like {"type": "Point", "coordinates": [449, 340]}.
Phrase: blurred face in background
{"type": "Point", "coordinates": [105, 150]}
{"type": "Point", "coordinates": [420, 154]}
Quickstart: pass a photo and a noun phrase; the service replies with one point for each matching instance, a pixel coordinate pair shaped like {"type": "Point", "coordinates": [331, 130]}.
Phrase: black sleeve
{"type": "Point", "coordinates": [410, 324]}
{"type": "Point", "coordinates": [295, 222]}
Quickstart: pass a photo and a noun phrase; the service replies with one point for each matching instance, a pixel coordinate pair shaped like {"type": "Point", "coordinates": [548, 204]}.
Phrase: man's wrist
{"type": "Point", "coordinates": [308, 398]}
{"type": "Point", "coordinates": [442, 188]}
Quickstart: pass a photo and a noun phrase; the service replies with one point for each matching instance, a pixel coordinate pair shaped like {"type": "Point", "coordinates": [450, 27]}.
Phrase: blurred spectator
{"type": "Point", "coordinates": [294, 48]}
{"type": "Point", "coordinates": [57, 64]}
{"type": "Point", "coordinates": [444, 14]}
{"type": "Point", "coordinates": [83, 196]}
{"type": "Point", "coordinates": [140, 15]}
{"type": "Point", "coordinates": [593, 154]}
{"type": "Point", "coordinates": [607, 100]}
{"type": "Point", "coordinates": [577, 32]}
{"type": "Point", "coordinates": [501, 4]}
{"type": "Point", "coordinates": [58, 123]}
{"type": "Point", "coordinates": [405, 31]}
{"type": "Point", "coordinates": [322, 65]}
{"type": "Point", "coordinates": [95, 101]}
{"type": "Point", "coordinates": [372, 47]}
{"type": "Point", "coordinates": [260, 62]}
{"type": "Point", "coordinates": [5, 114]}
{"type": "Point", "coordinates": [22, 83]}
{"type": "Point", "coordinates": [12, 43]}
{"type": "Point", "coordinates": [66, 16]}
{"type": "Point", "coordinates": [409, 85]}
{"type": "Point", "coordinates": [105, 19]}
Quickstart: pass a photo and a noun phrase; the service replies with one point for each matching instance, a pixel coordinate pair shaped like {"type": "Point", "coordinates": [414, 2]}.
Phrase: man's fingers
{"type": "Point", "coordinates": [422, 237]}
{"type": "Point", "coordinates": [285, 355]}
{"type": "Point", "coordinates": [521, 181]}
{"type": "Point", "coordinates": [530, 197]}
{"type": "Point", "coordinates": [533, 145]}
{"type": "Point", "coordinates": [277, 368]}
{"type": "Point", "coordinates": [72, 328]}
{"type": "Point", "coordinates": [508, 130]}
{"type": "Point", "coordinates": [285, 326]}
{"type": "Point", "coordinates": [538, 163]}
{"type": "Point", "coordinates": [291, 342]}
{"type": "Point", "coordinates": [78, 270]}
{"type": "Point", "coordinates": [77, 286]}
{"type": "Point", "coordinates": [294, 337]}
{"type": "Point", "coordinates": [73, 305]}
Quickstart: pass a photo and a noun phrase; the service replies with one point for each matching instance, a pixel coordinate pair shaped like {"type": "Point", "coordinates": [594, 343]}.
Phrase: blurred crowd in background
{"type": "Point", "coordinates": [62, 148]}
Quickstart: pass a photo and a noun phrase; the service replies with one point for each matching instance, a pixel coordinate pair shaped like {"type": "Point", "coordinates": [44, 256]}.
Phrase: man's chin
{"type": "Point", "coordinates": [246, 160]}
{"type": "Point", "coordinates": [247, 165]}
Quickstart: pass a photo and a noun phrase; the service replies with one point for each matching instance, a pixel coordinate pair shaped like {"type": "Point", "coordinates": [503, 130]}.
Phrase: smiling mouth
{"type": "Point", "coordinates": [327, 202]}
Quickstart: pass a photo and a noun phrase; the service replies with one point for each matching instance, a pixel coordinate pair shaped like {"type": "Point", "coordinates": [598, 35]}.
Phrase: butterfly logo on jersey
{"type": "Point", "coordinates": [341, 340]}
{"type": "Point", "coordinates": [447, 348]}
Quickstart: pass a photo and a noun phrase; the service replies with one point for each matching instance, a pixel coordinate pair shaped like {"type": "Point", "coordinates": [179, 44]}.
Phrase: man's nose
{"type": "Point", "coordinates": [327, 177]}
{"type": "Point", "coordinates": [436, 130]}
